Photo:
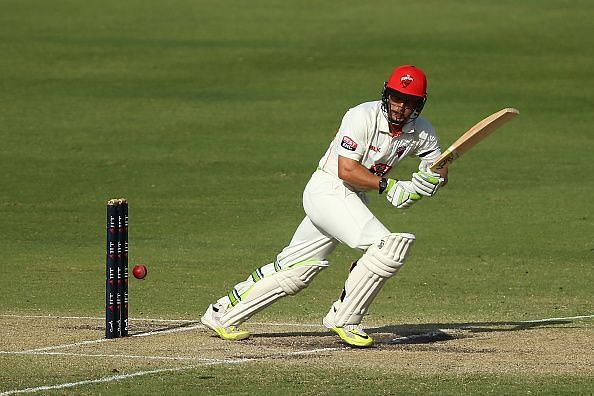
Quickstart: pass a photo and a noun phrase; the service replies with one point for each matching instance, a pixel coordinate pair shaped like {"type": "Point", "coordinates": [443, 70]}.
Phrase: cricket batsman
{"type": "Point", "coordinates": [372, 139]}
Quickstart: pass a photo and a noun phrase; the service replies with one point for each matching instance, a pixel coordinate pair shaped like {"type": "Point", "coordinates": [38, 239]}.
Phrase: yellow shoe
{"type": "Point", "coordinates": [231, 333]}
{"type": "Point", "coordinates": [353, 335]}
{"type": "Point", "coordinates": [211, 320]}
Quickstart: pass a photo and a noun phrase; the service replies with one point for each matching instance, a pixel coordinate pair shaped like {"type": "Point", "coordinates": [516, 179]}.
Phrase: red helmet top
{"type": "Point", "coordinates": [408, 80]}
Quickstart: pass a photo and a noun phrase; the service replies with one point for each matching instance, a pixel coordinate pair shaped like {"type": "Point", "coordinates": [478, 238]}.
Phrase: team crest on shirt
{"type": "Point", "coordinates": [380, 169]}
{"type": "Point", "coordinates": [400, 151]}
{"type": "Point", "coordinates": [348, 143]}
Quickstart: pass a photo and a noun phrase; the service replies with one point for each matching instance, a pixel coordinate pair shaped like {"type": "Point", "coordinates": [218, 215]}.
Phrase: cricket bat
{"type": "Point", "coordinates": [473, 136]}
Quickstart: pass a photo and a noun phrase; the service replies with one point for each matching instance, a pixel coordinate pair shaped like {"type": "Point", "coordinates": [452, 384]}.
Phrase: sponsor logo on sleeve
{"type": "Point", "coordinates": [348, 143]}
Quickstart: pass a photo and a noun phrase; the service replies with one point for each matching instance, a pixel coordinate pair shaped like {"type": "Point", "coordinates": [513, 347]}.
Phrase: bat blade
{"type": "Point", "coordinates": [473, 136]}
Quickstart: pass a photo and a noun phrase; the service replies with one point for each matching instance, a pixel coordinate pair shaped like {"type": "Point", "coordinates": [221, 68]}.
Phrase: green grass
{"type": "Point", "coordinates": [210, 117]}
{"type": "Point", "coordinates": [282, 379]}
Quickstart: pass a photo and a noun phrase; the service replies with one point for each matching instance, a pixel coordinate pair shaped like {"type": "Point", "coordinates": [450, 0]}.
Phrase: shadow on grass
{"type": "Point", "coordinates": [422, 333]}
{"type": "Point", "coordinates": [473, 327]}
{"type": "Point", "coordinates": [428, 332]}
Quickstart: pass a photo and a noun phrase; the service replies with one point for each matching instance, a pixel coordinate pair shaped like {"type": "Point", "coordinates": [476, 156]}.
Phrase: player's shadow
{"type": "Point", "coordinates": [428, 332]}
{"type": "Point", "coordinates": [473, 327]}
{"type": "Point", "coordinates": [433, 332]}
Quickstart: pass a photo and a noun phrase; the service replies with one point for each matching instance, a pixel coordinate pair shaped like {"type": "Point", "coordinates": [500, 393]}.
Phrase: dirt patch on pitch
{"type": "Point", "coordinates": [481, 348]}
{"type": "Point", "coordinates": [547, 347]}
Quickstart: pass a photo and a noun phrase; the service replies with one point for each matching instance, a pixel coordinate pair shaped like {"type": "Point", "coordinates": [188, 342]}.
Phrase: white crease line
{"type": "Point", "coordinates": [102, 355]}
{"type": "Point", "coordinates": [144, 334]}
{"type": "Point", "coordinates": [288, 324]}
{"type": "Point", "coordinates": [120, 377]}
{"type": "Point", "coordinates": [100, 340]}
{"type": "Point", "coordinates": [150, 357]}
{"type": "Point", "coordinates": [512, 323]}
{"type": "Point", "coordinates": [553, 319]}
{"type": "Point", "coordinates": [94, 318]}
{"type": "Point", "coordinates": [150, 320]}
{"type": "Point", "coordinates": [158, 371]}
{"type": "Point", "coordinates": [75, 344]}
{"type": "Point", "coordinates": [312, 351]}
{"type": "Point", "coordinates": [255, 323]}
{"type": "Point", "coordinates": [168, 331]}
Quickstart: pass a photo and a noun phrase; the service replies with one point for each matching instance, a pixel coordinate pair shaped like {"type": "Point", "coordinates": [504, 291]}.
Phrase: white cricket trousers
{"type": "Point", "coordinates": [334, 214]}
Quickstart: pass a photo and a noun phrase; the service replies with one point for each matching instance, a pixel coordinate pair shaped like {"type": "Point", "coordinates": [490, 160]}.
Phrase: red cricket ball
{"type": "Point", "coordinates": [139, 271]}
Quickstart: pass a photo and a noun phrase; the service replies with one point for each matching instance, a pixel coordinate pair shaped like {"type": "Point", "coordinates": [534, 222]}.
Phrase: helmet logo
{"type": "Point", "coordinates": [406, 80]}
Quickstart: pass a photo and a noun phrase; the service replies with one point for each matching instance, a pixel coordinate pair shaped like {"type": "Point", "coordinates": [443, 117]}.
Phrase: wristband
{"type": "Point", "coordinates": [383, 184]}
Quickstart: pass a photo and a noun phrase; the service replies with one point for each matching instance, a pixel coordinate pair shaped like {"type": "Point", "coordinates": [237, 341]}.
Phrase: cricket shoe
{"type": "Point", "coordinates": [212, 320]}
{"type": "Point", "coordinates": [354, 335]}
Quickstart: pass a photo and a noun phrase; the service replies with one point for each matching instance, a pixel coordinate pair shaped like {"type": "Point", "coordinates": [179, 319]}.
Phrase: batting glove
{"type": "Point", "coordinates": [401, 194]}
{"type": "Point", "coordinates": [426, 182]}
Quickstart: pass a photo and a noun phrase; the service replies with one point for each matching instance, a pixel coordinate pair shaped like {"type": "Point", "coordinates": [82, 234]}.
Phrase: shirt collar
{"type": "Point", "coordinates": [383, 123]}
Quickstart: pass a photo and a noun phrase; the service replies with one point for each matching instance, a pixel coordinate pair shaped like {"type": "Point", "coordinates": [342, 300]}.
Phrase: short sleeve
{"type": "Point", "coordinates": [352, 135]}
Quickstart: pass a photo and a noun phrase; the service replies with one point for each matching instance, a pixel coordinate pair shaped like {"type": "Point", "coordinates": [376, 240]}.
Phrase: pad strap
{"type": "Point", "coordinates": [266, 289]}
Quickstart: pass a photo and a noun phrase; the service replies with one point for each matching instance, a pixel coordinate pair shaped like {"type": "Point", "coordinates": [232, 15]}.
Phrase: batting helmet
{"type": "Point", "coordinates": [409, 83]}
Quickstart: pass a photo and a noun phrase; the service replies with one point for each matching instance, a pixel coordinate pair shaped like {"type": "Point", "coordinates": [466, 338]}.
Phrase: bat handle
{"type": "Point", "coordinates": [448, 156]}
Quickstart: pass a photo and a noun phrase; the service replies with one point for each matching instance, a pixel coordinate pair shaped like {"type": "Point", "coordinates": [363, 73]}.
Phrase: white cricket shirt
{"type": "Point", "coordinates": [364, 136]}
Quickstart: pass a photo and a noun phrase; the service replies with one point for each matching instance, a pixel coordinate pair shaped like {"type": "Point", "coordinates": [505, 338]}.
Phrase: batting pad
{"type": "Point", "coordinates": [270, 288]}
{"type": "Point", "coordinates": [380, 262]}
